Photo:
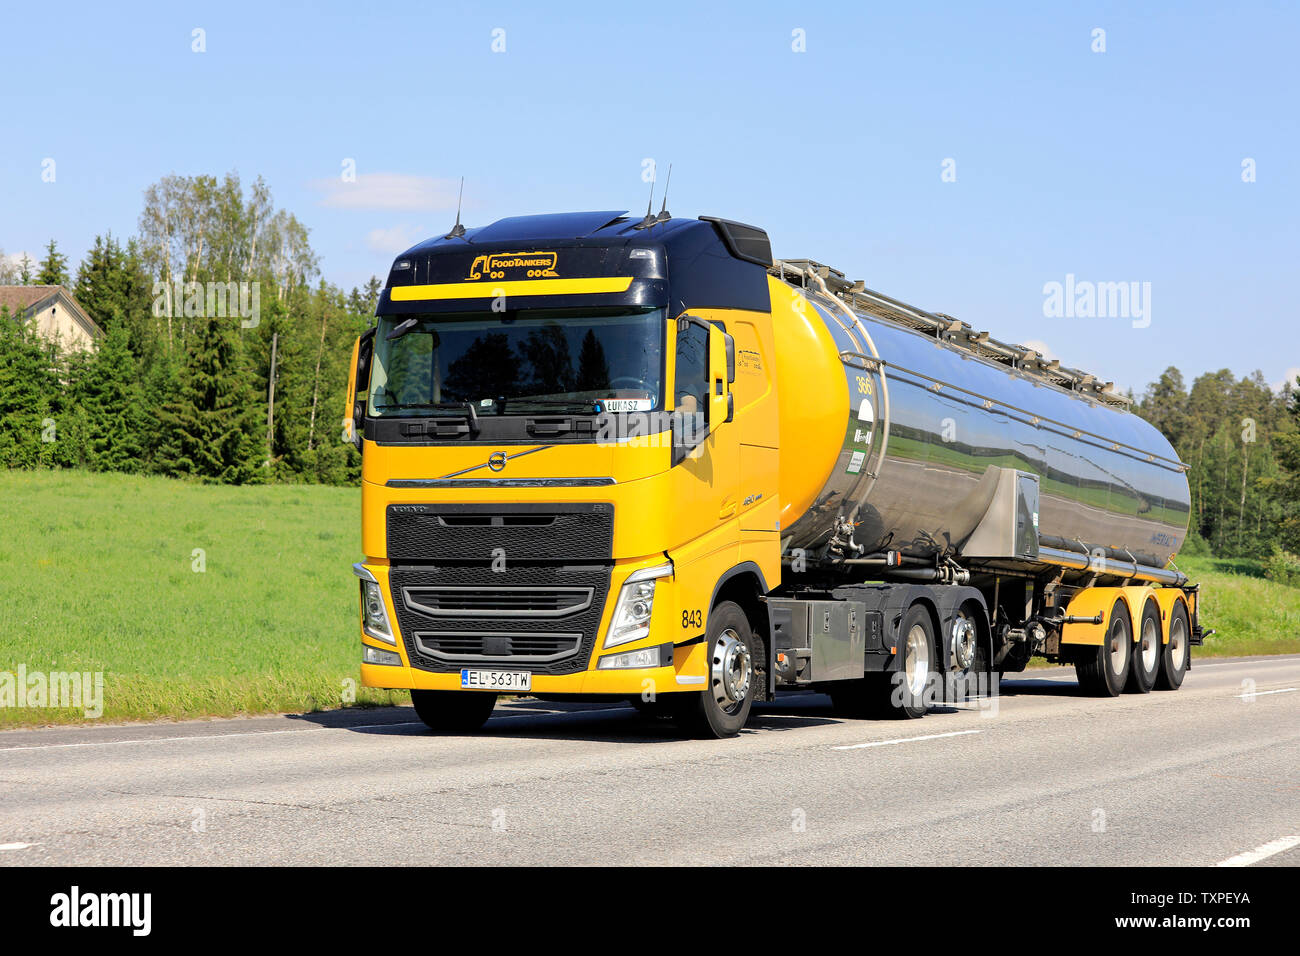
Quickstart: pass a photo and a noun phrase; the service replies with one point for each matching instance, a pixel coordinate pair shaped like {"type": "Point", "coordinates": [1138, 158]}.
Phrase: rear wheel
{"type": "Point", "coordinates": [1146, 652]}
{"type": "Point", "coordinates": [1103, 670]}
{"type": "Point", "coordinates": [453, 711]}
{"type": "Point", "coordinates": [721, 711]}
{"type": "Point", "coordinates": [1177, 651]}
{"type": "Point", "coordinates": [899, 694]}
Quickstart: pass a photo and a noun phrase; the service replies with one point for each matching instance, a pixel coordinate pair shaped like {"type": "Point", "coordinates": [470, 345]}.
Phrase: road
{"type": "Point", "coordinates": [1195, 777]}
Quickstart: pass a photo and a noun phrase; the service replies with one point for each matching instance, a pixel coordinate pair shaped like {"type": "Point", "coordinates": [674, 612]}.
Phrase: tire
{"type": "Point", "coordinates": [1103, 670]}
{"type": "Point", "coordinates": [888, 695]}
{"type": "Point", "coordinates": [1147, 648]}
{"type": "Point", "coordinates": [721, 711]}
{"type": "Point", "coordinates": [1177, 654]}
{"type": "Point", "coordinates": [453, 711]}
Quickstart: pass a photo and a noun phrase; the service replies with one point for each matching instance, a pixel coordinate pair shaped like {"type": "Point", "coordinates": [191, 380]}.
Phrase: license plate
{"type": "Point", "coordinates": [499, 681]}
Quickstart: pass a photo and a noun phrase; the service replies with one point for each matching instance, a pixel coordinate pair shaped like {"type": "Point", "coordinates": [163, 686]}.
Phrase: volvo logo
{"type": "Point", "coordinates": [497, 460]}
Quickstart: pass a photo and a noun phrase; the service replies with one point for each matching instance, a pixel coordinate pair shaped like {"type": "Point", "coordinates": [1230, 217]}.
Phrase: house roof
{"type": "Point", "coordinates": [27, 299]}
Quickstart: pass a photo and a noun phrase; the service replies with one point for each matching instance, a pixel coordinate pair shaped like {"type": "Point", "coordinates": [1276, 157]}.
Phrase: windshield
{"type": "Point", "coordinates": [576, 361]}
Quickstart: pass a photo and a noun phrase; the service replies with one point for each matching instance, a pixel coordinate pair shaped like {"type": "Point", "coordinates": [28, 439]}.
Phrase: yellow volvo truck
{"type": "Point", "coordinates": [642, 459]}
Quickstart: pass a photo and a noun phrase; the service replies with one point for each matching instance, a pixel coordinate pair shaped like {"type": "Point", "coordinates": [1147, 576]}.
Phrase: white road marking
{"type": "Point", "coordinates": [1262, 853]}
{"type": "Point", "coordinates": [1261, 693]}
{"type": "Point", "coordinates": [906, 740]}
{"type": "Point", "coordinates": [298, 730]}
{"type": "Point", "coordinates": [17, 846]}
{"type": "Point", "coordinates": [1272, 660]}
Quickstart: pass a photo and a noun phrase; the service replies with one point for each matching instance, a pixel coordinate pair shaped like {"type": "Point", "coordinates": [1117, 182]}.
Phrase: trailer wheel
{"type": "Point", "coordinates": [1177, 651]}
{"type": "Point", "coordinates": [453, 711]}
{"type": "Point", "coordinates": [1103, 670]}
{"type": "Point", "coordinates": [721, 711]}
{"type": "Point", "coordinates": [1146, 652]}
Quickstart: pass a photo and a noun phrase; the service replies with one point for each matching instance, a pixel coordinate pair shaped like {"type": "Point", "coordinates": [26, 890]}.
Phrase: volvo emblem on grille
{"type": "Point", "coordinates": [497, 460]}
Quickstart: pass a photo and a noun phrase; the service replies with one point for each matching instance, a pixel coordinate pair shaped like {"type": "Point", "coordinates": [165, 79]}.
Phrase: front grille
{"type": "Point", "coordinates": [544, 616]}
{"type": "Point", "coordinates": [526, 648]}
{"type": "Point", "coordinates": [519, 532]}
{"type": "Point", "coordinates": [470, 601]}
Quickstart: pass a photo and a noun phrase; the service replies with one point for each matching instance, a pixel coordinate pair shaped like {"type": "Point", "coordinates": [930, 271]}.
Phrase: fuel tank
{"type": "Point", "coordinates": [901, 430]}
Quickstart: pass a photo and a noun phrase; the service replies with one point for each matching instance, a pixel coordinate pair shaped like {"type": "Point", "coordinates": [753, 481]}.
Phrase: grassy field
{"type": "Point", "coordinates": [1251, 614]}
{"type": "Point", "coordinates": [98, 573]}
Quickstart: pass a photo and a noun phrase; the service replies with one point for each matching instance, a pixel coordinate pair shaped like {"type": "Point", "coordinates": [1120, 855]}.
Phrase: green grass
{"type": "Point", "coordinates": [1251, 614]}
{"type": "Point", "coordinates": [97, 574]}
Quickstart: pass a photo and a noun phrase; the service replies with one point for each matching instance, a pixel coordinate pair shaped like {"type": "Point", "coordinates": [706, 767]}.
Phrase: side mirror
{"type": "Point", "coordinates": [354, 416]}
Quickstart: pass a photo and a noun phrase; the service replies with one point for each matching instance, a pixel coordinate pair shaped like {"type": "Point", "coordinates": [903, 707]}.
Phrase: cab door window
{"type": "Point", "coordinates": [691, 387]}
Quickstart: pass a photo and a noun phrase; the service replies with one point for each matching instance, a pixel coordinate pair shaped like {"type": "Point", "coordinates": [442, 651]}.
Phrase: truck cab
{"type": "Point", "coordinates": [569, 468]}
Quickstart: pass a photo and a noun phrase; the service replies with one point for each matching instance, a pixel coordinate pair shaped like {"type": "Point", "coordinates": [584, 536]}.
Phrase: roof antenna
{"type": "Point", "coordinates": [649, 219]}
{"type": "Point", "coordinates": [664, 214]}
{"type": "Point", "coordinates": [458, 230]}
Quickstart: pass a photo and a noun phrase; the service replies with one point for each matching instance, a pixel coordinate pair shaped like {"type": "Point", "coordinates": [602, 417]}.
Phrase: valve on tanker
{"type": "Point", "coordinates": [841, 541]}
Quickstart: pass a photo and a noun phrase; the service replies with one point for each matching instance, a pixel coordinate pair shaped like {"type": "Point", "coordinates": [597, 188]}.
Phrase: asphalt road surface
{"type": "Point", "coordinates": [1201, 776]}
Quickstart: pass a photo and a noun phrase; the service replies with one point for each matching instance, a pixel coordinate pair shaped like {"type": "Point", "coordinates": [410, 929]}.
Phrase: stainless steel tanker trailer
{"type": "Point", "coordinates": [1034, 513]}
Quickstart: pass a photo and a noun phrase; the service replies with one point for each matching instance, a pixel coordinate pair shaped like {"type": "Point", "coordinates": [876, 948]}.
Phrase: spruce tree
{"type": "Point", "coordinates": [210, 425]}
{"type": "Point", "coordinates": [27, 384]}
{"type": "Point", "coordinates": [113, 399]}
{"type": "Point", "coordinates": [54, 267]}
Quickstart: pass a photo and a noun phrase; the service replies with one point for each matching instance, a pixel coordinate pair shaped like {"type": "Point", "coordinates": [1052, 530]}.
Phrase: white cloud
{"type": "Point", "coordinates": [12, 263]}
{"type": "Point", "coordinates": [395, 239]}
{"type": "Point", "coordinates": [1288, 379]}
{"type": "Point", "coordinates": [389, 191]}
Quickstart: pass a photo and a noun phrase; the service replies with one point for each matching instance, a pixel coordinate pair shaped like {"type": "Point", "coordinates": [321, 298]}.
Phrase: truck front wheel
{"type": "Point", "coordinates": [453, 711]}
{"type": "Point", "coordinates": [721, 711]}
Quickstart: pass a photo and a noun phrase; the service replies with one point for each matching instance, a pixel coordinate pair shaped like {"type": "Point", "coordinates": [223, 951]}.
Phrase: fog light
{"type": "Point", "coordinates": [376, 655]}
{"type": "Point", "coordinates": [660, 656]}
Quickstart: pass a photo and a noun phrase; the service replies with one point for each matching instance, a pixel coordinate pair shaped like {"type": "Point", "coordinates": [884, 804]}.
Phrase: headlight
{"type": "Point", "coordinates": [374, 616]}
{"type": "Point", "coordinates": [631, 620]}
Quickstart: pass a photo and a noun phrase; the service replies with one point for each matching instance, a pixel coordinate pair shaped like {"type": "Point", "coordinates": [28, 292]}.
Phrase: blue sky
{"type": "Point", "coordinates": [1115, 166]}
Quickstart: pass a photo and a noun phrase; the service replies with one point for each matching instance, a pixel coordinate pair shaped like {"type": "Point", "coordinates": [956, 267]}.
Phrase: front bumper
{"type": "Point", "coordinates": [580, 675]}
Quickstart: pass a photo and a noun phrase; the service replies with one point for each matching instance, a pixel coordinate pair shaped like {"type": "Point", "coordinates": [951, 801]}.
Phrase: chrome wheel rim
{"type": "Point", "coordinates": [1150, 645]}
{"type": "Point", "coordinates": [916, 660]}
{"type": "Point", "coordinates": [963, 642]}
{"type": "Point", "coordinates": [732, 670]}
{"type": "Point", "coordinates": [1118, 648]}
{"type": "Point", "coordinates": [1177, 644]}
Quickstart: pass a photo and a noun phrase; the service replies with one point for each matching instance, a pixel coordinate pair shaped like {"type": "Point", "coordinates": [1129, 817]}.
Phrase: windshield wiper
{"type": "Point", "coordinates": [465, 407]}
{"type": "Point", "coordinates": [585, 407]}
{"type": "Point", "coordinates": [401, 328]}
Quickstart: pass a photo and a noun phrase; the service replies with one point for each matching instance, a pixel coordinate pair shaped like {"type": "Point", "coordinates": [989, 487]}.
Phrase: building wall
{"type": "Point", "coordinates": [57, 320]}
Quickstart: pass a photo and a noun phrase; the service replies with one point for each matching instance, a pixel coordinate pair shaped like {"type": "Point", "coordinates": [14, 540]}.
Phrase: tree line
{"type": "Point", "coordinates": [225, 355]}
{"type": "Point", "coordinates": [1241, 441]}
{"type": "Point", "coordinates": [179, 387]}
